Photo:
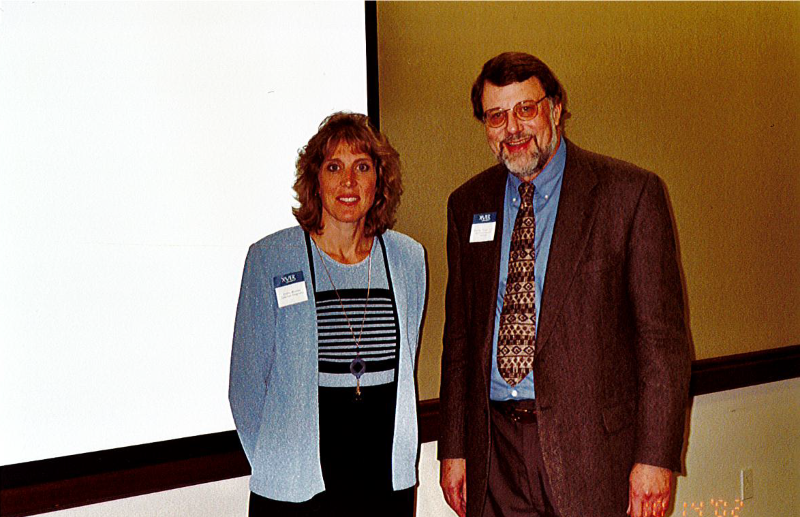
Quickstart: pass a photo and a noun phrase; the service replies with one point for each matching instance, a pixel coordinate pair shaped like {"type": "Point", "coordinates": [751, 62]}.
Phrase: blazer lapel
{"type": "Point", "coordinates": [493, 196]}
{"type": "Point", "coordinates": [576, 215]}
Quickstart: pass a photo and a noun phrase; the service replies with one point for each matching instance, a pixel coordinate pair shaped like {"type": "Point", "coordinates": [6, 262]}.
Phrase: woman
{"type": "Point", "coordinates": [322, 370]}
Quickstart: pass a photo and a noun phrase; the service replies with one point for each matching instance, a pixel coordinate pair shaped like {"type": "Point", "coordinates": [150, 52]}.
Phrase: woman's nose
{"type": "Point", "coordinates": [349, 178]}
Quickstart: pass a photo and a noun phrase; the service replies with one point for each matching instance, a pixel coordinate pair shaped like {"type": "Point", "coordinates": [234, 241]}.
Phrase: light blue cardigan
{"type": "Point", "coordinates": [274, 368]}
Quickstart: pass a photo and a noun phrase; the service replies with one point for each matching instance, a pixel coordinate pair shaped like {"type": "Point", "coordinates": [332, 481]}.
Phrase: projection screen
{"type": "Point", "coordinates": [143, 147]}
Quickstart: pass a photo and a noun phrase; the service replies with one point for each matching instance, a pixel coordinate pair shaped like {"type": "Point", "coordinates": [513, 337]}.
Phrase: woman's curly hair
{"type": "Point", "coordinates": [355, 130]}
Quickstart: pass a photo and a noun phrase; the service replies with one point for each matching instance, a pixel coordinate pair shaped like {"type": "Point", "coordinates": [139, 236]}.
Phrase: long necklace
{"type": "Point", "coordinates": [357, 365]}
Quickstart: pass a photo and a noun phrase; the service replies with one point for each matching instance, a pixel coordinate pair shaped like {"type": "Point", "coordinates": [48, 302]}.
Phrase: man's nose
{"type": "Point", "coordinates": [512, 124]}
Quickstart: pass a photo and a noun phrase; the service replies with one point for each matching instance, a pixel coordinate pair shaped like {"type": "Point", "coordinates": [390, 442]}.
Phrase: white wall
{"type": "Point", "coordinates": [220, 499]}
{"type": "Point", "coordinates": [757, 427]}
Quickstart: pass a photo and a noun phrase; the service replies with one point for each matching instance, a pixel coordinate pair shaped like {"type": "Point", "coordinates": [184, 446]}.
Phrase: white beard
{"type": "Point", "coordinates": [528, 164]}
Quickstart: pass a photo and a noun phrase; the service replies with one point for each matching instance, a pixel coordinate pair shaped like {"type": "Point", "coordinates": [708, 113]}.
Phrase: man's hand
{"type": "Point", "coordinates": [650, 491]}
{"type": "Point", "coordinates": [453, 480]}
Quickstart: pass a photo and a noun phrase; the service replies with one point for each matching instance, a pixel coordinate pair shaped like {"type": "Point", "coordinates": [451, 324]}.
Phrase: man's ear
{"type": "Point", "coordinates": [557, 113]}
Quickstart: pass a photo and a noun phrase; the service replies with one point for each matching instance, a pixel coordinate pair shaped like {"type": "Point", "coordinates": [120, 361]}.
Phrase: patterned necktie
{"type": "Point", "coordinates": [516, 340]}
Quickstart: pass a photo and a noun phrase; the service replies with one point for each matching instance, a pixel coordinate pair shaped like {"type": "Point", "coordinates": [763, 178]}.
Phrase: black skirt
{"type": "Point", "coordinates": [327, 504]}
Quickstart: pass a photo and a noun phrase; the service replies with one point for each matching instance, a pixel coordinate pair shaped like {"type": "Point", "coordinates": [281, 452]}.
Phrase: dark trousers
{"type": "Point", "coordinates": [518, 484]}
{"type": "Point", "coordinates": [367, 503]}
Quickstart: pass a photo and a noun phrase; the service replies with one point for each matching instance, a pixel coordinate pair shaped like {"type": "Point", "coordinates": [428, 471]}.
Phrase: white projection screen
{"type": "Point", "coordinates": [143, 147]}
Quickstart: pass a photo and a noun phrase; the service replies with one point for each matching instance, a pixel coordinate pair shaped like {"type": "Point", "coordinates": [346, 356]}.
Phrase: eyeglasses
{"type": "Point", "coordinates": [523, 110]}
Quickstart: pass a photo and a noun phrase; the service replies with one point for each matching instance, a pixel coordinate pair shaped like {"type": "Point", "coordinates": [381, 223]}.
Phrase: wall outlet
{"type": "Point", "coordinates": [746, 483]}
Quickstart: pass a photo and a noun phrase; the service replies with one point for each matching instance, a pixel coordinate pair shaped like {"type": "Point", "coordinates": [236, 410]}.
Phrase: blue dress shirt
{"type": "Point", "coordinates": [547, 191]}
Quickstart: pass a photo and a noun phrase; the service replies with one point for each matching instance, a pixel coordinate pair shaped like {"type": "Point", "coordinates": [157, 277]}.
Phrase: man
{"type": "Point", "coordinates": [566, 359]}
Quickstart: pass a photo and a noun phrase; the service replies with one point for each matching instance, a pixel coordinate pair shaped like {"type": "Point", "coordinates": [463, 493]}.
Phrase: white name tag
{"type": "Point", "coordinates": [290, 289]}
{"type": "Point", "coordinates": [483, 226]}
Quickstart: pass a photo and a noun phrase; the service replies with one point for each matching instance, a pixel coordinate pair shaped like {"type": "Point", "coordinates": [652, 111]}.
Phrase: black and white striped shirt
{"type": "Point", "coordinates": [378, 345]}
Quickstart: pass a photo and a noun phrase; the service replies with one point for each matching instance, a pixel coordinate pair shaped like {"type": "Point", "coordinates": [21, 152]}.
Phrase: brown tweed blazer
{"type": "Point", "coordinates": [612, 365]}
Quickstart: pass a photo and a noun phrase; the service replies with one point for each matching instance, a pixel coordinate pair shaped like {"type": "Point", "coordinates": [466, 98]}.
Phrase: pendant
{"type": "Point", "coordinates": [358, 367]}
{"type": "Point", "coordinates": [357, 398]}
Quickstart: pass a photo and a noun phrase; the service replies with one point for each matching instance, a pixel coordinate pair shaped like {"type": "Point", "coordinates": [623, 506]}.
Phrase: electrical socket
{"type": "Point", "coordinates": [746, 483]}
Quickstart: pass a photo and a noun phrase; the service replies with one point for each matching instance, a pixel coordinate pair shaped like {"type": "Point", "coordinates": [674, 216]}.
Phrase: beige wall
{"type": "Point", "coordinates": [705, 94]}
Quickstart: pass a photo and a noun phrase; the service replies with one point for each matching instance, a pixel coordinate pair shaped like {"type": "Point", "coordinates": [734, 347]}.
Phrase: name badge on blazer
{"type": "Point", "coordinates": [290, 289]}
{"type": "Point", "coordinates": [483, 226]}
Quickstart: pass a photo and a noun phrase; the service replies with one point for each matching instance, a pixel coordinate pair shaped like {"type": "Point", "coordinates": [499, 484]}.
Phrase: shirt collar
{"type": "Point", "coordinates": [549, 179]}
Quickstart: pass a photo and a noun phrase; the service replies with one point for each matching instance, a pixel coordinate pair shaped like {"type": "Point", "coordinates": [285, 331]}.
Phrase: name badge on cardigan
{"type": "Point", "coordinates": [290, 289]}
{"type": "Point", "coordinates": [483, 226]}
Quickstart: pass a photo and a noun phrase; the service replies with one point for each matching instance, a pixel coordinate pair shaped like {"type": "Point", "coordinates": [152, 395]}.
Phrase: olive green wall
{"type": "Point", "coordinates": [704, 94]}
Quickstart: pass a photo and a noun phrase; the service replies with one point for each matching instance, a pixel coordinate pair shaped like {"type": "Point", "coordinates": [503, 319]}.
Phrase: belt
{"type": "Point", "coordinates": [519, 411]}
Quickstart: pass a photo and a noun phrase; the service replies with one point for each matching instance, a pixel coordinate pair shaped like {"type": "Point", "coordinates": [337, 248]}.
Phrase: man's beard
{"type": "Point", "coordinates": [532, 161]}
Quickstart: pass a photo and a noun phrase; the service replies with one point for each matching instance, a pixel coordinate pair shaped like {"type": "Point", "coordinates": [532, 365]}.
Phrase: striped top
{"type": "Point", "coordinates": [378, 346]}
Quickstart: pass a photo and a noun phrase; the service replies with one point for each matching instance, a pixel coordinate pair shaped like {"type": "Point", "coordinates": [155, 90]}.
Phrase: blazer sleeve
{"type": "Point", "coordinates": [662, 344]}
{"type": "Point", "coordinates": [253, 333]}
{"type": "Point", "coordinates": [453, 392]}
{"type": "Point", "coordinates": [422, 293]}
{"type": "Point", "coordinates": [416, 273]}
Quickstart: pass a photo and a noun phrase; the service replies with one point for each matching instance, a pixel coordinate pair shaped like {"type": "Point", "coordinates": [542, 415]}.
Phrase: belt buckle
{"type": "Point", "coordinates": [522, 415]}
